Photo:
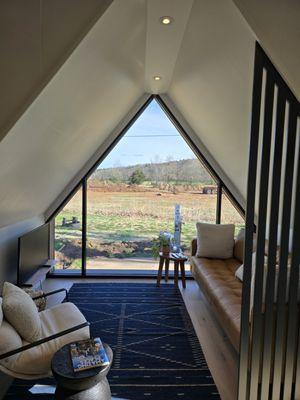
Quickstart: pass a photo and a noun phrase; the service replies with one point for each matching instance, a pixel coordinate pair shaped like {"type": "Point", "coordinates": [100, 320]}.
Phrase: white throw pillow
{"type": "Point", "coordinates": [239, 273]}
{"type": "Point", "coordinates": [1, 312]}
{"type": "Point", "coordinates": [215, 240]}
{"type": "Point", "coordinates": [238, 251]}
{"type": "Point", "coordinates": [20, 311]}
{"type": "Point", "coordinates": [9, 340]}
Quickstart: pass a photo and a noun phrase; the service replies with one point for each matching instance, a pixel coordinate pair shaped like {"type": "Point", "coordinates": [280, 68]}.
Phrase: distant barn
{"type": "Point", "coordinates": [209, 190]}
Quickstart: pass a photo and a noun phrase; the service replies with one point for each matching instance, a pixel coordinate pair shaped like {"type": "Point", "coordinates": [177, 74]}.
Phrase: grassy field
{"type": "Point", "coordinates": [122, 224]}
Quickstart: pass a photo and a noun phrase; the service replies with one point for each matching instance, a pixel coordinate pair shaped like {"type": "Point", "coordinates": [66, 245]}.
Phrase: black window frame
{"type": "Point", "coordinates": [221, 186]}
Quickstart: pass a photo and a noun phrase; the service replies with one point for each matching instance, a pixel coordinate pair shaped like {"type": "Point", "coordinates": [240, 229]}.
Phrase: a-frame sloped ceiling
{"type": "Point", "coordinates": [77, 110]}
{"type": "Point", "coordinates": [205, 58]}
{"type": "Point", "coordinates": [212, 83]}
{"type": "Point", "coordinates": [277, 27]}
{"type": "Point", "coordinates": [36, 37]}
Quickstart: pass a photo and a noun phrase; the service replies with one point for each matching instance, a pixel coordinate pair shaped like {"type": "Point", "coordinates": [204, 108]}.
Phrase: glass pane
{"type": "Point", "coordinates": [133, 192]}
{"type": "Point", "coordinates": [230, 215]}
{"type": "Point", "coordinates": [198, 205]}
{"type": "Point", "coordinates": [123, 220]}
{"type": "Point", "coordinates": [68, 239]}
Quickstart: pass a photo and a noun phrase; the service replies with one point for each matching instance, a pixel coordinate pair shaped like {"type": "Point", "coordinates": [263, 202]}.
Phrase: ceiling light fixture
{"type": "Point", "coordinates": [166, 20]}
{"type": "Point", "coordinates": [157, 78]}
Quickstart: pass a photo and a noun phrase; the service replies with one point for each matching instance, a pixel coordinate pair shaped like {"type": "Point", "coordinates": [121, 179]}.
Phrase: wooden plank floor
{"type": "Point", "coordinates": [221, 357]}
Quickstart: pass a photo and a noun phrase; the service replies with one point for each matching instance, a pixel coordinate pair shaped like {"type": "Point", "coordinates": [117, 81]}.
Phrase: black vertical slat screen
{"type": "Point", "coordinates": [281, 306]}
{"type": "Point", "coordinates": [297, 370]}
{"type": "Point", "coordinates": [249, 232]}
{"type": "Point", "coordinates": [261, 234]}
{"type": "Point", "coordinates": [269, 344]}
{"type": "Point", "coordinates": [274, 216]}
{"type": "Point", "coordinates": [293, 315]}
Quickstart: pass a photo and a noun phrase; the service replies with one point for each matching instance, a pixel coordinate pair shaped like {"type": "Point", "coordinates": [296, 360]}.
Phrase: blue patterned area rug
{"type": "Point", "coordinates": [156, 351]}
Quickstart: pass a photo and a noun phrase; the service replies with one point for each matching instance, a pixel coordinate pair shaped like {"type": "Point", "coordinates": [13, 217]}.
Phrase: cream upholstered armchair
{"type": "Point", "coordinates": [29, 339]}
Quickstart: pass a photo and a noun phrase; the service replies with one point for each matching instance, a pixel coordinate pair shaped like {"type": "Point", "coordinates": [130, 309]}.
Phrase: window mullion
{"type": "Point", "coordinates": [219, 203]}
{"type": "Point", "coordinates": [84, 226]}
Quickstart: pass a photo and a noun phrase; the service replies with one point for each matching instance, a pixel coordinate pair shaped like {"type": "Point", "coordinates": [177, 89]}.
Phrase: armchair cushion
{"type": "Point", "coordinates": [20, 311]}
{"type": "Point", "coordinates": [37, 361]}
{"type": "Point", "coordinates": [9, 340]}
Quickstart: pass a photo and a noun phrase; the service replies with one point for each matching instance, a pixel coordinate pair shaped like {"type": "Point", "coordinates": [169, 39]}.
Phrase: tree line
{"type": "Point", "coordinates": [190, 170]}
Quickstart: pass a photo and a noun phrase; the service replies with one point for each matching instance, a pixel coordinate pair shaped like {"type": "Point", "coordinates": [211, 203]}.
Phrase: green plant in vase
{"type": "Point", "coordinates": [160, 244]}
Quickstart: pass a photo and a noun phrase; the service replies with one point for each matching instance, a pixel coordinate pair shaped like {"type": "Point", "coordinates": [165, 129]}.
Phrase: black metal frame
{"type": "Point", "coordinates": [44, 340]}
{"type": "Point", "coordinates": [84, 226]}
{"type": "Point", "coordinates": [221, 187]}
{"type": "Point", "coordinates": [48, 338]}
{"type": "Point", "coordinates": [41, 296]}
{"type": "Point", "coordinates": [270, 331]}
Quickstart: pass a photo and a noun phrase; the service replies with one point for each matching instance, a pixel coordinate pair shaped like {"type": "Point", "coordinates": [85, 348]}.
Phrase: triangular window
{"type": "Point", "coordinates": [131, 196]}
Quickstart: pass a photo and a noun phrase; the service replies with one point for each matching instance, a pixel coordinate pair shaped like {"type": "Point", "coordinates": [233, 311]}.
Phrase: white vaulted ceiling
{"type": "Point", "coordinates": [212, 83]}
{"type": "Point", "coordinates": [277, 26]}
{"type": "Point", "coordinates": [205, 59]}
{"type": "Point", "coordinates": [77, 110]}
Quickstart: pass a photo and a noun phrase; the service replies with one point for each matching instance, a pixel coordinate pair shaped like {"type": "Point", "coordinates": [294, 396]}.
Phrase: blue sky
{"type": "Point", "coordinates": [152, 138]}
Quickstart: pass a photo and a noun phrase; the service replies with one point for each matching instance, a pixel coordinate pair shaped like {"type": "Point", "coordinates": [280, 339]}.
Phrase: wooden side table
{"type": "Point", "coordinates": [164, 260]}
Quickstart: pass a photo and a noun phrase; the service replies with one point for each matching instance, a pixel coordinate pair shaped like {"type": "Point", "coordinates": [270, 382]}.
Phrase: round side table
{"type": "Point", "coordinates": [90, 384]}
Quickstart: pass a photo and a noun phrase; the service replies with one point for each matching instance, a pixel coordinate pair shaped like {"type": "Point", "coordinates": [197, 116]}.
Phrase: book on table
{"type": "Point", "coordinates": [89, 353]}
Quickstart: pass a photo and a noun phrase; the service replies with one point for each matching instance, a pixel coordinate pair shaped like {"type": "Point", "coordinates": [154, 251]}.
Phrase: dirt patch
{"type": "Point", "coordinates": [72, 250]}
{"type": "Point", "coordinates": [118, 187]}
{"type": "Point", "coordinates": [119, 249]}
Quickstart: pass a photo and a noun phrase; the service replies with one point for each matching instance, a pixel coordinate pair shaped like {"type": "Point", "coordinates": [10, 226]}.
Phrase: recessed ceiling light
{"type": "Point", "coordinates": [157, 78]}
{"type": "Point", "coordinates": [166, 20]}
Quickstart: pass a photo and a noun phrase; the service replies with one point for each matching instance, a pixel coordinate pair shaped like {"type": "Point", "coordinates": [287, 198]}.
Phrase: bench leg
{"type": "Point", "coordinates": [167, 263]}
{"type": "Point", "coordinates": [176, 265]}
{"type": "Point", "coordinates": [182, 270]}
{"type": "Point", "coordinates": [160, 268]}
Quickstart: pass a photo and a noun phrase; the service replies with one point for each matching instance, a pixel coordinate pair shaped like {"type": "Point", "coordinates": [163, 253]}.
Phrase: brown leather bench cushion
{"type": "Point", "coordinates": [223, 290]}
